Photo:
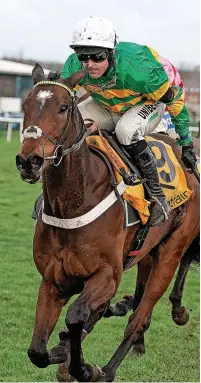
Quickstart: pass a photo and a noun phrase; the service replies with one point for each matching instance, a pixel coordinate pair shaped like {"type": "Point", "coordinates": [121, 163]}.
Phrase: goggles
{"type": "Point", "coordinates": [95, 57]}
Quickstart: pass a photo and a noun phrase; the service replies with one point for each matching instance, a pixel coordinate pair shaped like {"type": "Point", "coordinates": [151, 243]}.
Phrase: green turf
{"type": "Point", "coordinates": [172, 353]}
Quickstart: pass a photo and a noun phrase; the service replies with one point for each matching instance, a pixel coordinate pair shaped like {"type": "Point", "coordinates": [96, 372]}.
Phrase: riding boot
{"type": "Point", "coordinates": [143, 158]}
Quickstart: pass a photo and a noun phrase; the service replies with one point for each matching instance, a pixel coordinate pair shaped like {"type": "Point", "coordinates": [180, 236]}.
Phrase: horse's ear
{"type": "Point", "coordinates": [75, 78]}
{"type": "Point", "coordinates": [37, 73]}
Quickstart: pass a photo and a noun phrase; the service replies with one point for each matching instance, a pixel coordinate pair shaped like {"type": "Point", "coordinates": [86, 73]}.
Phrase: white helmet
{"type": "Point", "coordinates": [94, 32]}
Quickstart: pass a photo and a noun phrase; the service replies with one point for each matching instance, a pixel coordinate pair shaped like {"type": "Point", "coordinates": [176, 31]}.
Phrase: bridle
{"type": "Point", "coordinates": [36, 132]}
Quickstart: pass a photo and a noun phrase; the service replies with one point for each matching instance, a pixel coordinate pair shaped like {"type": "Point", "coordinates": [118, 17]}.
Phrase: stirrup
{"type": "Point", "coordinates": [130, 178]}
{"type": "Point", "coordinates": [160, 212]}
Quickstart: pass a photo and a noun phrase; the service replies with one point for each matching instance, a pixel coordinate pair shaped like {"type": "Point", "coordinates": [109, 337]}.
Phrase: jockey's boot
{"type": "Point", "coordinates": [143, 158]}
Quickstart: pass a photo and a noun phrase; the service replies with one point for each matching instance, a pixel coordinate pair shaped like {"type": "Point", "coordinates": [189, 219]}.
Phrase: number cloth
{"type": "Point", "coordinates": [171, 175]}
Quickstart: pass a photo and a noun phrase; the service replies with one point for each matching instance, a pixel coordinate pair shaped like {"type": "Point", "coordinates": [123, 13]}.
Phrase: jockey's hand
{"type": "Point", "coordinates": [188, 157]}
{"type": "Point", "coordinates": [91, 126]}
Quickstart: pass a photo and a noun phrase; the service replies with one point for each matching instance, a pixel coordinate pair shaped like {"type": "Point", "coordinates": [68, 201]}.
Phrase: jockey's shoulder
{"type": "Point", "coordinates": [129, 54]}
{"type": "Point", "coordinates": [71, 65]}
{"type": "Point", "coordinates": [73, 59]}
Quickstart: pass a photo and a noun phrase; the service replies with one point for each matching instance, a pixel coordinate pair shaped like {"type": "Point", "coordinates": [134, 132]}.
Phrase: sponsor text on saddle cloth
{"type": "Point", "coordinates": [171, 175]}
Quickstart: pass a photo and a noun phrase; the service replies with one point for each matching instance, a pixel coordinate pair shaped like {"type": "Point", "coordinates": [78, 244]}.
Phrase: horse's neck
{"type": "Point", "coordinates": [76, 185]}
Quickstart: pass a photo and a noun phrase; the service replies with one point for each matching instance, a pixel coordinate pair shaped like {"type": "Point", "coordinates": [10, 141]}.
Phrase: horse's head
{"type": "Point", "coordinates": [49, 124]}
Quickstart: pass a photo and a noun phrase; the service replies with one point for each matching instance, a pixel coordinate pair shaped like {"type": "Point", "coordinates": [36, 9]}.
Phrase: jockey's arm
{"type": "Point", "coordinates": [174, 100]}
{"type": "Point", "coordinates": [151, 80]}
{"type": "Point", "coordinates": [154, 84]}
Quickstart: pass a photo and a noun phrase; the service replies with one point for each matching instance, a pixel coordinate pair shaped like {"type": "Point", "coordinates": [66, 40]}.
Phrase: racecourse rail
{"type": "Point", "coordinates": [11, 120]}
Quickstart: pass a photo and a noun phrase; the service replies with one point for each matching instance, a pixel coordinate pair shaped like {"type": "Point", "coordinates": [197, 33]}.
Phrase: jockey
{"type": "Point", "coordinates": [130, 86]}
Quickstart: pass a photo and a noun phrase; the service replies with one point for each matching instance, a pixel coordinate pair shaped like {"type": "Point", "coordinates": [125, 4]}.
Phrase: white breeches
{"type": "Point", "coordinates": [129, 127]}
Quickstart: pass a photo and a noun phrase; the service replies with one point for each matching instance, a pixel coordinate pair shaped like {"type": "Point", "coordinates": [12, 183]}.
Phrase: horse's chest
{"type": "Point", "coordinates": [78, 263]}
{"type": "Point", "coordinates": [57, 263]}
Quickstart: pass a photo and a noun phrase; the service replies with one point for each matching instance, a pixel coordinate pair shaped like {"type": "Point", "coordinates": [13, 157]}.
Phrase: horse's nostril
{"type": "Point", "coordinates": [20, 162]}
{"type": "Point", "coordinates": [29, 164]}
{"type": "Point", "coordinates": [36, 162]}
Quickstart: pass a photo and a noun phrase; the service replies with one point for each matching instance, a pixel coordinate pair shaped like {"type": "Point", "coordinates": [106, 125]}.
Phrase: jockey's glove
{"type": "Point", "coordinates": [188, 157]}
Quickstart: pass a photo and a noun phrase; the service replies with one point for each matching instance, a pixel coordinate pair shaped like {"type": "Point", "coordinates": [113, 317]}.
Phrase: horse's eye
{"type": "Point", "coordinates": [63, 108]}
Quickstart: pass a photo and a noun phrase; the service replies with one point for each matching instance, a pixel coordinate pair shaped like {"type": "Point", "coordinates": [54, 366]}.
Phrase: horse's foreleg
{"type": "Point", "coordinates": [98, 290]}
{"type": "Point", "coordinates": [63, 374]}
{"type": "Point", "coordinates": [48, 310]}
{"type": "Point", "coordinates": [130, 302]}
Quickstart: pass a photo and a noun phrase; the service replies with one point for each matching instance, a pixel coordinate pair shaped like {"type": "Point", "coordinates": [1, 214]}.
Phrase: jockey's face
{"type": "Point", "coordinates": [95, 61]}
{"type": "Point", "coordinates": [96, 69]}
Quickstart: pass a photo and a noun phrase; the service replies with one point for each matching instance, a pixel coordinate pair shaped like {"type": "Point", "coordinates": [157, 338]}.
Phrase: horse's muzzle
{"type": "Point", "coordinates": [29, 168]}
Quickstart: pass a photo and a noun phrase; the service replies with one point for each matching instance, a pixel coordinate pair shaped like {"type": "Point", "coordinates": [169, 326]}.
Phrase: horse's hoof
{"type": "Point", "coordinates": [108, 375]}
{"type": "Point", "coordinates": [58, 354]}
{"type": "Point", "coordinates": [63, 374]}
{"type": "Point", "coordinates": [97, 374]}
{"type": "Point", "coordinates": [180, 316]}
{"type": "Point", "coordinates": [65, 378]}
{"type": "Point", "coordinates": [63, 334]}
{"type": "Point", "coordinates": [38, 359]}
{"type": "Point", "coordinates": [138, 349]}
{"type": "Point", "coordinates": [83, 375]}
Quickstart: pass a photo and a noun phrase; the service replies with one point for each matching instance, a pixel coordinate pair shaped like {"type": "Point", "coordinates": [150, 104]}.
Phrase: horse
{"type": "Point", "coordinates": [87, 260]}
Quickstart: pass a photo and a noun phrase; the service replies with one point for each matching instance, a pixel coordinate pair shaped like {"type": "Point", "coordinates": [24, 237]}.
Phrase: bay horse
{"type": "Point", "coordinates": [86, 260]}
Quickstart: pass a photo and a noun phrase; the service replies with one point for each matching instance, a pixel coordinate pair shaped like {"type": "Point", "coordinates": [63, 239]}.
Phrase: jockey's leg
{"type": "Point", "coordinates": [89, 109]}
{"type": "Point", "coordinates": [130, 130]}
{"type": "Point", "coordinates": [143, 157]}
{"type": "Point", "coordinates": [166, 126]}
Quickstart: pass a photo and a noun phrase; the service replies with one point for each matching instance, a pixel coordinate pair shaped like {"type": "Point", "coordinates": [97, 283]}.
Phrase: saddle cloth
{"type": "Point", "coordinates": [171, 175]}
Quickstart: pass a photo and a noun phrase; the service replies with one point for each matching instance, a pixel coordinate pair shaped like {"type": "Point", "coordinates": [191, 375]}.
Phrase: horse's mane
{"type": "Point", "coordinates": [53, 76]}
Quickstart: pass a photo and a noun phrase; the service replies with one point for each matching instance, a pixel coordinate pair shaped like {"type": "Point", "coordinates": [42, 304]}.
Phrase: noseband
{"type": "Point", "coordinates": [36, 132]}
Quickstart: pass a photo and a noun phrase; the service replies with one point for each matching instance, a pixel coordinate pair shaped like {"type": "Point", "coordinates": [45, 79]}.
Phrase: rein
{"type": "Point", "coordinates": [36, 132]}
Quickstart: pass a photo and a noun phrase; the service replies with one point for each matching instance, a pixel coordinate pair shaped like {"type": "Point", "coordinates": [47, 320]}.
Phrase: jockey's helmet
{"type": "Point", "coordinates": [94, 32]}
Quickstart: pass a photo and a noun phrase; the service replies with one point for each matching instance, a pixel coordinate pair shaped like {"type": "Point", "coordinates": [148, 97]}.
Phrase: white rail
{"type": "Point", "coordinates": [10, 121]}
